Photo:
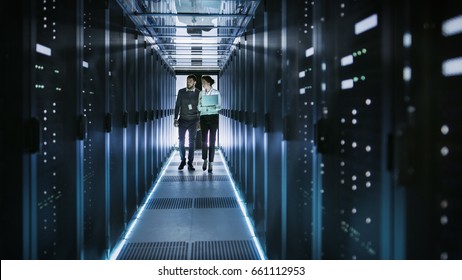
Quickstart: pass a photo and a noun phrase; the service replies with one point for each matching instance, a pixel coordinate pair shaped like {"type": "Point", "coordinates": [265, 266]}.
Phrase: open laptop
{"type": "Point", "coordinates": [209, 100]}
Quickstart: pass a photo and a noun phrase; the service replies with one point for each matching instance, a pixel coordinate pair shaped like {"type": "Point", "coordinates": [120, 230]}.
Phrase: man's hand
{"type": "Point", "coordinates": [175, 123]}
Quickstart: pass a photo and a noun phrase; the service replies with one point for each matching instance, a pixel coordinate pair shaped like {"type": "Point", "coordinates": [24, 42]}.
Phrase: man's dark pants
{"type": "Point", "coordinates": [191, 127]}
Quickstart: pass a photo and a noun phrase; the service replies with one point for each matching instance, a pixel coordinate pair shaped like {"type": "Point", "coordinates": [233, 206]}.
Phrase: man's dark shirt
{"type": "Point", "coordinates": [185, 98]}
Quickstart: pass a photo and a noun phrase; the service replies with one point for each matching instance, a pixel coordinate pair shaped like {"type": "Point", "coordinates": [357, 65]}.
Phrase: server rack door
{"type": "Point", "coordinates": [448, 135]}
{"type": "Point", "coordinates": [234, 78]}
{"type": "Point", "coordinates": [312, 86]}
{"type": "Point", "coordinates": [148, 117]}
{"type": "Point", "coordinates": [242, 139]}
{"type": "Point", "coordinates": [172, 107]}
{"type": "Point", "coordinates": [157, 109]}
{"type": "Point", "coordinates": [114, 125]}
{"type": "Point", "coordinates": [273, 129]}
{"type": "Point", "coordinates": [161, 111]}
{"type": "Point", "coordinates": [232, 83]}
{"type": "Point", "coordinates": [227, 99]}
{"type": "Point", "coordinates": [249, 136]}
{"type": "Point", "coordinates": [297, 109]}
{"type": "Point", "coordinates": [21, 149]}
{"type": "Point", "coordinates": [226, 142]}
{"type": "Point", "coordinates": [162, 103]}
{"type": "Point", "coordinates": [130, 110]}
{"type": "Point", "coordinates": [356, 185]}
{"type": "Point", "coordinates": [230, 140]}
{"type": "Point", "coordinates": [142, 188]}
{"type": "Point", "coordinates": [224, 122]}
{"type": "Point", "coordinates": [170, 91]}
{"type": "Point", "coordinates": [429, 156]}
{"type": "Point", "coordinates": [155, 100]}
{"type": "Point", "coordinates": [56, 173]}
{"type": "Point", "coordinates": [165, 127]}
{"type": "Point", "coordinates": [166, 124]}
{"type": "Point", "coordinates": [95, 72]}
{"type": "Point", "coordinates": [258, 148]}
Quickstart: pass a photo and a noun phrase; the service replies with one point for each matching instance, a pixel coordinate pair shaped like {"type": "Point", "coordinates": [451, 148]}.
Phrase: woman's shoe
{"type": "Point", "coordinates": [204, 166]}
{"type": "Point", "coordinates": [210, 167]}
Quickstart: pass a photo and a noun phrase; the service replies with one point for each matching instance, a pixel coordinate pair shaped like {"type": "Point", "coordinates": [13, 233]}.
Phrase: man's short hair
{"type": "Point", "coordinates": [192, 76]}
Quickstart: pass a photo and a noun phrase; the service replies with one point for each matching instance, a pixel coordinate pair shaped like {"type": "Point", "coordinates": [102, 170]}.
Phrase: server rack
{"type": "Point", "coordinates": [95, 94]}
{"type": "Point", "coordinates": [81, 87]}
{"type": "Point", "coordinates": [369, 145]}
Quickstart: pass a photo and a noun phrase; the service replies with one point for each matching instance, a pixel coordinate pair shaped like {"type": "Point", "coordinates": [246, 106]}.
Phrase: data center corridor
{"type": "Point", "coordinates": [339, 130]}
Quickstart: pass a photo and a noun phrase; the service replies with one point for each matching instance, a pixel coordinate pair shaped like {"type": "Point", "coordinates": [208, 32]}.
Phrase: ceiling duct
{"type": "Point", "coordinates": [192, 34]}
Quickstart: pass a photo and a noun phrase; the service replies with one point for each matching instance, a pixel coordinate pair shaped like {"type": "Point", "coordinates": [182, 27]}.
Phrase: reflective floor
{"type": "Point", "coordinates": [192, 215]}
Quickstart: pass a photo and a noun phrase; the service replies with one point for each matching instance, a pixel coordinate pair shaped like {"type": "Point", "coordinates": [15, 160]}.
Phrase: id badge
{"type": "Point", "coordinates": [189, 106]}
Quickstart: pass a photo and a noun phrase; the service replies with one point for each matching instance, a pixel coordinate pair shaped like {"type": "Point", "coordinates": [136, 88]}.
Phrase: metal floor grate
{"type": "Point", "coordinates": [202, 162]}
{"type": "Point", "coordinates": [175, 163]}
{"type": "Point", "coordinates": [190, 178]}
{"type": "Point", "coordinates": [200, 250]}
{"type": "Point", "coordinates": [209, 177]}
{"type": "Point", "coordinates": [187, 178]}
{"type": "Point", "coordinates": [186, 203]}
{"type": "Point", "coordinates": [224, 250]}
{"type": "Point", "coordinates": [154, 251]}
{"type": "Point", "coordinates": [169, 203]}
{"type": "Point", "coordinates": [216, 202]}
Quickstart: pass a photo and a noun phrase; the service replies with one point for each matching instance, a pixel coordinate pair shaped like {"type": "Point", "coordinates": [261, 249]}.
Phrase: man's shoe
{"type": "Point", "coordinates": [190, 166]}
{"type": "Point", "coordinates": [204, 166]}
{"type": "Point", "coordinates": [210, 167]}
{"type": "Point", "coordinates": [182, 164]}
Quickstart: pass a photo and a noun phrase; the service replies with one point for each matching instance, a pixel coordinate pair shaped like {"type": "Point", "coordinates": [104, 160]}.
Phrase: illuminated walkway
{"type": "Point", "coordinates": [191, 215]}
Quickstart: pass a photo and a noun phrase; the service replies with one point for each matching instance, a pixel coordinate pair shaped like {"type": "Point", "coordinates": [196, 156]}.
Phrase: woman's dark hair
{"type": "Point", "coordinates": [192, 76]}
{"type": "Point", "coordinates": [208, 79]}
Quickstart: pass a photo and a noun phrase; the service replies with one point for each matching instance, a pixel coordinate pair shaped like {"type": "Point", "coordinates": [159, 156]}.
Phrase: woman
{"type": "Point", "coordinates": [208, 109]}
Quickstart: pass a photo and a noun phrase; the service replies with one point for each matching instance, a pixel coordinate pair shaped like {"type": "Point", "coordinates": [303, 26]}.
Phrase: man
{"type": "Point", "coordinates": [186, 109]}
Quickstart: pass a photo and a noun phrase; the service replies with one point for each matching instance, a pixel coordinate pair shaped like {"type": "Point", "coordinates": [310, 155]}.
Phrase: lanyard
{"type": "Point", "coordinates": [189, 93]}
